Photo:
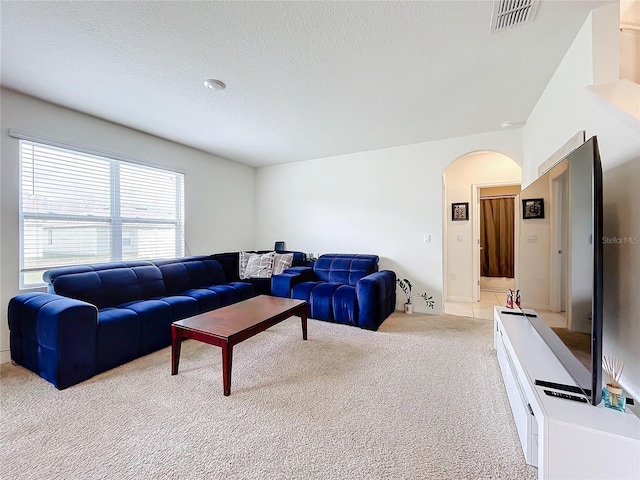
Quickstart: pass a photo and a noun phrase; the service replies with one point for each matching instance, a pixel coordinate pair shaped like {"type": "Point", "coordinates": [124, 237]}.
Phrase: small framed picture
{"type": "Point", "coordinates": [460, 211]}
{"type": "Point", "coordinates": [532, 208]}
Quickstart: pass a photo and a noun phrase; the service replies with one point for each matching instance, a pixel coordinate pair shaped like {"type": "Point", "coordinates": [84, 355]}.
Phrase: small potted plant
{"type": "Point", "coordinates": [405, 286]}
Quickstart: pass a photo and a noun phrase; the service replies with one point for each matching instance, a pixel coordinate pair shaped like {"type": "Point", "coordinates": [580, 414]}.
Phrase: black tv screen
{"type": "Point", "coordinates": [560, 263]}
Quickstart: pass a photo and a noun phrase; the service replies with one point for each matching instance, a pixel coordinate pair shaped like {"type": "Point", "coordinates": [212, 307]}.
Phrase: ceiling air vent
{"type": "Point", "coordinates": [509, 13]}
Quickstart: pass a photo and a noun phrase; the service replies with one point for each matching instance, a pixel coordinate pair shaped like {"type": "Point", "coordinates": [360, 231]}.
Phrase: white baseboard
{"type": "Point", "coordinates": [426, 310]}
{"type": "Point", "coordinates": [460, 299]}
{"type": "Point", "coordinates": [5, 356]}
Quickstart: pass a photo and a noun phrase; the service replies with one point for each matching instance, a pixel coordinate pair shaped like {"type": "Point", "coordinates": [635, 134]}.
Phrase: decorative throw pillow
{"type": "Point", "coordinates": [242, 267]}
{"type": "Point", "coordinates": [281, 262]}
{"type": "Point", "coordinates": [259, 266]}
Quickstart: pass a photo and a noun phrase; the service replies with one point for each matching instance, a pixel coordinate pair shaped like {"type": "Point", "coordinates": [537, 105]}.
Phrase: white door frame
{"type": "Point", "coordinates": [445, 241]}
{"type": "Point", "coordinates": [475, 226]}
{"type": "Point", "coordinates": [558, 218]}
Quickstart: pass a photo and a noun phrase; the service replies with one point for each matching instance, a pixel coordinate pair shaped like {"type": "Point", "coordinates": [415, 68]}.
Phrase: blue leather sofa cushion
{"type": "Point", "coordinates": [207, 299]}
{"type": "Point", "coordinates": [182, 306]}
{"type": "Point", "coordinates": [198, 274]}
{"type": "Point", "coordinates": [150, 280]}
{"type": "Point", "coordinates": [23, 325]}
{"type": "Point", "coordinates": [321, 300]}
{"type": "Point", "coordinates": [205, 273]}
{"type": "Point", "coordinates": [302, 291]}
{"type": "Point", "coordinates": [176, 277]}
{"type": "Point", "coordinates": [180, 276]}
{"type": "Point", "coordinates": [48, 336]}
{"type": "Point", "coordinates": [229, 262]}
{"type": "Point", "coordinates": [155, 317]}
{"type": "Point", "coordinates": [120, 286]}
{"type": "Point", "coordinates": [282, 285]}
{"type": "Point", "coordinates": [110, 287]}
{"type": "Point", "coordinates": [226, 293]}
{"type": "Point", "coordinates": [345, 269]}
{"type": "Point", "coordinates": [118, 338]}
{"type": "Point", "coordinates": [216, 273]}
{"type": "Point", "coordinates": [50, 275]}
{"type": "Point", "coordinates": [377, 299]}
{"type": "Point", "coordinates": [245, 290]}
{"type": "Point", "coordinates": [345, 305]}
{"type": "Point", "coordinates": [82, 286]}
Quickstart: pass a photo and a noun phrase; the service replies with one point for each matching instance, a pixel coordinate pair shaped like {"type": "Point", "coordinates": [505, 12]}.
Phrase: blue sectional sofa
{"type": "Point", "coordinates": [342, 288]}
{"type": "Point", "coordinates": [97, 317]}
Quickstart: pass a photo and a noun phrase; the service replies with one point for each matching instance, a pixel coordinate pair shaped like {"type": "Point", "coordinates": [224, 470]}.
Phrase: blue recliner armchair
{"type": "Point", "coordinates": [342, 288]}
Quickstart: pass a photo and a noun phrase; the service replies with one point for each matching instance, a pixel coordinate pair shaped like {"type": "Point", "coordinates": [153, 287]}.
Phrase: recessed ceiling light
{"type": "Point", "coordinates": [511, 124]}
{"type": "Point", "coordinates": [213, 84]}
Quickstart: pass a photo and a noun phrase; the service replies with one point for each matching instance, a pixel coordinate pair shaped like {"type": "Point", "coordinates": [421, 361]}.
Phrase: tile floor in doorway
{"type": "Point", "coordinates": [484, 309]}
{"type": "Point", "coordinates": [481, 309]}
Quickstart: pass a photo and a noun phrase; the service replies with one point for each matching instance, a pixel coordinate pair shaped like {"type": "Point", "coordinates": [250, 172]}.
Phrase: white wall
{"type": "Point", "coordinates": [219, 194]}
{"type": "Point", "coordinates": [630, 40]}
{"type": "Point", "coordinates": [380, 202]}
{"type": "Point", "coordinates": [533, 250]}
{"type": "Point", "coordinates": [566, 107]}
{"type": "Point", "coordinates": [481, 168]}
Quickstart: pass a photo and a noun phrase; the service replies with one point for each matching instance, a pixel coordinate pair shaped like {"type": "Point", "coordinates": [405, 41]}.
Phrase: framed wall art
{"type": "Point", "coordinates": [532, 208]}
{"type": "Point", "coordinates": [460, 211]}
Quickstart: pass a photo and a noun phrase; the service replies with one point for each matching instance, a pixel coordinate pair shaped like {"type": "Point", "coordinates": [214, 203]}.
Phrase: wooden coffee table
{"type": "Point", "coordinates": [227, 326]}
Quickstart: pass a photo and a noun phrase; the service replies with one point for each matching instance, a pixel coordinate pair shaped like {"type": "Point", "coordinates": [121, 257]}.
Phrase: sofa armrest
{"type": "Point", "coordinates": [376, 295]}
{"type": "Point", "coordinates": [281, 285]}
{"type": "Point", "coordinates": [54, 336]}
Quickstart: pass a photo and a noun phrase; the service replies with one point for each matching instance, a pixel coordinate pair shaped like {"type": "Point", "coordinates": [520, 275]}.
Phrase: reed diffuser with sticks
{"type": "Point", "coordinates": [612, 393]}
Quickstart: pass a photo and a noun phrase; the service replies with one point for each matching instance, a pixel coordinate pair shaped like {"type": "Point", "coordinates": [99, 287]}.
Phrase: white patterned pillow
{"type": "Point", "coordinates": [242, 267]}
{"type": "Point", "coordinates": [281, 262]}
{"type": "Point", "coordinates": [260, 266]}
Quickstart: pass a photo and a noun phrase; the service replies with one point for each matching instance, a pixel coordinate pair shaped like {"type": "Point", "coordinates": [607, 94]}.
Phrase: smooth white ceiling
{"type": "Point", "coordinates": [304, 79]}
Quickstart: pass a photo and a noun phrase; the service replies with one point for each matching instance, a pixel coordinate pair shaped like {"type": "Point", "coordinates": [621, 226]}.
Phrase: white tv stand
{"type": "Point", "coordinates": [563, 438]}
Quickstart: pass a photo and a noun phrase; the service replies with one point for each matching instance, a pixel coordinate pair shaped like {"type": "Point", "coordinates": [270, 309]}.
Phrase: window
{"type": "Point", "coordinates": [79, 208]}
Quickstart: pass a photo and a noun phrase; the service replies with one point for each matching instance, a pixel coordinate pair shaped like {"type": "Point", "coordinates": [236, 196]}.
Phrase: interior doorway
{"type": "Point", "coordinates": [559, 268]}
{"type": "Point", "coordinates": [461, 269]}
{"type": "Point", "coordinates": [495, 238]}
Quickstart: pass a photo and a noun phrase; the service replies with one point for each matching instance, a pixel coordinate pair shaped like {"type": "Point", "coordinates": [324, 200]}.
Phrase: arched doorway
{"type": "Point", "coordinates": [465, 181]}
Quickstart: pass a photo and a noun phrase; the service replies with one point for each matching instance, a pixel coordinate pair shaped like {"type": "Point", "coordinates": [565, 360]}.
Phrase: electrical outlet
{"type": "Point", "coordinates": [426, 238]}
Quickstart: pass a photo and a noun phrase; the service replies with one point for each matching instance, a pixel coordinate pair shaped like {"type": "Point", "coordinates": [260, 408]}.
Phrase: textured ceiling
{"type": "Point", "coordinates": [304, 79]}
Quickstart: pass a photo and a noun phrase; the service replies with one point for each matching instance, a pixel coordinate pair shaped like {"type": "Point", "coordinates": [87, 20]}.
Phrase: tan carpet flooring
{"type": "Point", "coordinates": [421, 398]}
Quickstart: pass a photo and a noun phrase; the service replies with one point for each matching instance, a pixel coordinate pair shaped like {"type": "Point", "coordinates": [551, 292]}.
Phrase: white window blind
{"type": "Point", "coordinates": [78, 208]}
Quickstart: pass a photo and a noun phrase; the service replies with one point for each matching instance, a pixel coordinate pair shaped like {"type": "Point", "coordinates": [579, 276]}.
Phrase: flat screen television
{"type": "Point", "coordinates": [560, 263]}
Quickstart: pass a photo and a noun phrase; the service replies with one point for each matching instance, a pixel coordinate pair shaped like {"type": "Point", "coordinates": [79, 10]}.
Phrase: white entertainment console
{"type": "Point", "coordinates": [563, 438]}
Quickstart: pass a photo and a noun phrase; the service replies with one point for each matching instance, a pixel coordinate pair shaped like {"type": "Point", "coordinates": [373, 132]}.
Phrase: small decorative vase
{"type": "Point", "coordinates": [614, 398]}
{"type": "Point", "coordinates": [408, 308]}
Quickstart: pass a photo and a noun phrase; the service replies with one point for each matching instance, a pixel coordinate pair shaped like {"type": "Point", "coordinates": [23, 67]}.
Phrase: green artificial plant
{"type": "Point", "coordinates": [405, 286]}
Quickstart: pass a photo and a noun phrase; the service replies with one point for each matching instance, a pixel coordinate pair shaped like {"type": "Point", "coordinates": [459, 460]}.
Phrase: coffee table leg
{"type": "Point", "coordinates": [227, 357]}
{"type": "Point", "coordinates": [303, 318]}
{"type": "Point", "coordinates": [176, 343]}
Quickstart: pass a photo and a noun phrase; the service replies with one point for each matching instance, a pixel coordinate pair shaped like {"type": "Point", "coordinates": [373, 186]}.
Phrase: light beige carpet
{"type": "Point", "coordinates": [420, 399]}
